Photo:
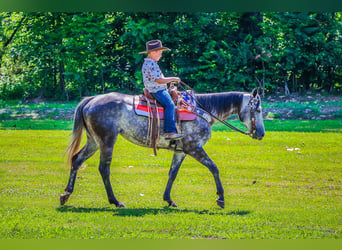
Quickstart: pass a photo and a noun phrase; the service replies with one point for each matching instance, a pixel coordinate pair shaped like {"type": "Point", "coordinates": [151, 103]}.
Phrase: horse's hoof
{"type": "Point", "coordinates": [220, 203]}
{"type": "Point", "coordinates": [64, 197]}
{"type": "Point", "coordinates": [172, 204]}
{"type": "Point", "coordinates": [120, 205]}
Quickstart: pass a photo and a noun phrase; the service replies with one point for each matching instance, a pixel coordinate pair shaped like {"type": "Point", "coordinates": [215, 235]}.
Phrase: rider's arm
{"type": "Point", "coordinates": [165, 80]}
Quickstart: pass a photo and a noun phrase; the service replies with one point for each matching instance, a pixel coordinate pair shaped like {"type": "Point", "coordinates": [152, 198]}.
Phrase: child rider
{"type": "Point", "coordinates": [156, 84]}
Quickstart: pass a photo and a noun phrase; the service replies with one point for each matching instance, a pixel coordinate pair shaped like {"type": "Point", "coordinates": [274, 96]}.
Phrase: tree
{"type": "Point", "coordinates": [306, 49]}
{"type": "Point", "coordinates": [69, 55]}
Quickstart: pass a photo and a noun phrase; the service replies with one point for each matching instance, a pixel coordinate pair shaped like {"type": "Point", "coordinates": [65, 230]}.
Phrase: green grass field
{"type": "Point", "coordinates": [270, 125]}
{"type": "Point", "coordinates": [287, 186]}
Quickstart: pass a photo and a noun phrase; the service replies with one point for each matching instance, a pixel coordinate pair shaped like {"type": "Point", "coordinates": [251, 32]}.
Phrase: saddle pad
{"type": "Point", "coordinates": [141, 108]}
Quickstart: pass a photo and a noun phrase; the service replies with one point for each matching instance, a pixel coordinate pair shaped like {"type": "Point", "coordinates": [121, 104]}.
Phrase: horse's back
{"type": "Point", "coordinates": [113, 113]}
{"type": "Point", "coordinates": [106, 111]}
{"type": "Point", "coordinates": [110, 99]}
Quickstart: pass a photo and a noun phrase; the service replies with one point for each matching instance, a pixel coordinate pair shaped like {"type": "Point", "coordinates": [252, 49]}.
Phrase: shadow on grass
{"type": "Point", "coordinates": [138, 212]}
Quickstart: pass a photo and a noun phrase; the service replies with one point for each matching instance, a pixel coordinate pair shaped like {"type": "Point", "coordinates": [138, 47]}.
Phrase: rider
{"type": "Point", "coordinates": [156, 84]}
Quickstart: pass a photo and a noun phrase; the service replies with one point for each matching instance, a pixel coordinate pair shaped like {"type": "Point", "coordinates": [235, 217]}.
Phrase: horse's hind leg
{"type": "Point", "coordinates": [200, 155]}
{"type": "Point", "coordinates": [176, 163]}
{"type": "Point", "coordinates": [85, 153]}
{"type": "Point", "coordinates": [104, 168]}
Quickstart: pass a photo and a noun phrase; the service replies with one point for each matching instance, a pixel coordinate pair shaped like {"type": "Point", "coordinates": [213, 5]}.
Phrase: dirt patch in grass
{"type": "Point", "coordinates": [298, 107]}
{"type": "Point", "coordinates": [14, 110]}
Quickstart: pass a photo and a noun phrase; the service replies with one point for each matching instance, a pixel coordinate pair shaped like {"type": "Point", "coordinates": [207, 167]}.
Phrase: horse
{"type": "Point", "coordinates": [104, 117]}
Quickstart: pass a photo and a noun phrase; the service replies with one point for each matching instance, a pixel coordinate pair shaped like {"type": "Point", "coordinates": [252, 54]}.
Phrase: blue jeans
{"type": "Point", "coordinates": [164, 98]}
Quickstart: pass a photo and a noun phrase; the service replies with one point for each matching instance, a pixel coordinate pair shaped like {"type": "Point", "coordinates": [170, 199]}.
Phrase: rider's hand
{"type": "Point", "coordinates": [177, 79]}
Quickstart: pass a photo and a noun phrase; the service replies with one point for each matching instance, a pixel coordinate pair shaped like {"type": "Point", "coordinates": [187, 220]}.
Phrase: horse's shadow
{"type": "Point", "coordinates": [139, 212]}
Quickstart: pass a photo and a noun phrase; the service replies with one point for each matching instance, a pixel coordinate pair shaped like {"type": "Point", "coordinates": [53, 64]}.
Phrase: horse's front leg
{"type": "Point", "coordinates": [200, 155]}
{"type": "Point", "coordinates": [176, 163]}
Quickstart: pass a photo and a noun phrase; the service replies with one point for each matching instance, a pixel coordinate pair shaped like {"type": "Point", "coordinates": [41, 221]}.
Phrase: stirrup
{"type": "Point", "coordinates": [173, 136]}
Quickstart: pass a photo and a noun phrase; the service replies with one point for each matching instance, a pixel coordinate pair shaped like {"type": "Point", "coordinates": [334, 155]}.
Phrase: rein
{"type": "Point", "coordinates": [222, 121]}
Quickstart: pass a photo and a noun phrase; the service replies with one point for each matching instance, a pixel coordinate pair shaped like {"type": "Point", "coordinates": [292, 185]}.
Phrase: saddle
{"type": "Point", "coordinates": [184, 102]}
{"type": "Point", "coordinates": [146, 105]}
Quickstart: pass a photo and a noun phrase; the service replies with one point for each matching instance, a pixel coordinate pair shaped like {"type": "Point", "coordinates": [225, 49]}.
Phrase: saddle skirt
{"type": "Point", "coordinates": [143, 107]}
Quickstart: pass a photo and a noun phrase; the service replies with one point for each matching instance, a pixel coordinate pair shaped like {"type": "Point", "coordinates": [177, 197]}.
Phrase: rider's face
{"type": "Point", "coordinates": [155, 55]}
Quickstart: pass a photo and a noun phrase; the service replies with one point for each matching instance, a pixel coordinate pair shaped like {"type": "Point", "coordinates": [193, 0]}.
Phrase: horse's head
{"type": "Point", "coordinates": [251, 115]}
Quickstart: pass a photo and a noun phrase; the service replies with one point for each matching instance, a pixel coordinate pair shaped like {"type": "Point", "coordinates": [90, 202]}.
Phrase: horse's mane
{"type": "Point", "coordinates": [221, 103]}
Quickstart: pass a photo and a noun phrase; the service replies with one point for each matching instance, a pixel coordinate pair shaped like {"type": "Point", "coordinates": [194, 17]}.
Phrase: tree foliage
{"type": "Point", "coordinates": [69, 55]}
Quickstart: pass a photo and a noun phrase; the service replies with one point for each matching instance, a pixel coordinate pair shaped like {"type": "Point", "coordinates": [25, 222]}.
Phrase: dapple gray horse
{"type": "Point", "coordinates": [104, 117]}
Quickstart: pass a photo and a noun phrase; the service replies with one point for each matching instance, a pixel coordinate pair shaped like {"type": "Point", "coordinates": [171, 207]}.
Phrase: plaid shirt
{"type": "Point", "coordinates": [151, 72]}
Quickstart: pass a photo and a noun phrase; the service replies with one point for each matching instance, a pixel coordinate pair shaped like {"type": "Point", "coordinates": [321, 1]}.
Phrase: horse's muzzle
{"type": "Point", "coordinates": [258, 135]}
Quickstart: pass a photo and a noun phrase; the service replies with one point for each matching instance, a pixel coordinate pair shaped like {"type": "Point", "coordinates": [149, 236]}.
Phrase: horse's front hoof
{"type": "Point", "coordinates": [64, 197]}
{"type": "Point", "coordinates": [172, 204]}
{"type": "Point", "coordinates": [119, 205]}
{"type": "Point", "coordinates": [220, 203]}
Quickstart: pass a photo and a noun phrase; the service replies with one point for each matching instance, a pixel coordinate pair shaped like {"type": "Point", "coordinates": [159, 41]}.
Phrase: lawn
{"type": "Point", "coordinates": [270, 125]}
{"type": "Point", "coordinates": [287, 186]}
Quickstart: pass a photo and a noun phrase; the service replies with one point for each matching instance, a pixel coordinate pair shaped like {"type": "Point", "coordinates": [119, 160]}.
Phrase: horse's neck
{"type": "Point", "coordinates": [222, 105]}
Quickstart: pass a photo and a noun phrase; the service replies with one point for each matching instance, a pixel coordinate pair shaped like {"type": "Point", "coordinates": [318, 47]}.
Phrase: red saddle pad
{"type": "Point", "coordinates": [141, 108]}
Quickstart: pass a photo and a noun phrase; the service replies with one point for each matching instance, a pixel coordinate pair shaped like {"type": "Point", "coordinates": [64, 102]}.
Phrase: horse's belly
{"type": "Point", "coordinates": [144, 140]}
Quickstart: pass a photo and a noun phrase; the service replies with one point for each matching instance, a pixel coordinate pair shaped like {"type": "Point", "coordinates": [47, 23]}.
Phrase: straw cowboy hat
{"type": "Point", "coordinates": [154, 45]}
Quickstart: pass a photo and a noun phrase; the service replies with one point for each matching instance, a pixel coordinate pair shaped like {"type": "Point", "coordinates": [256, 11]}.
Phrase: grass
{"type": "Point", "coordinates": [270, 125]}
{"type": "Point", "coordinates": [271, 191]}
{"type": "Point", "coordinates": [290, 125]}
{"type": "Point", "coordinates": [45, 124]}
{"type": "Point", "coordinates": [17, 104]}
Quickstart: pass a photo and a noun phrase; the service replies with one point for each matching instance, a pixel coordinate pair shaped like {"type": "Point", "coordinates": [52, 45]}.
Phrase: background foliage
{"type": "Point", "coordinates": [68, 55]}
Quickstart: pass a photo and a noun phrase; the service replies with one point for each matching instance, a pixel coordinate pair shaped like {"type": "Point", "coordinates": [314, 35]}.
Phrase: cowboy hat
{"type": "Point", "coordinates": [154, 45]}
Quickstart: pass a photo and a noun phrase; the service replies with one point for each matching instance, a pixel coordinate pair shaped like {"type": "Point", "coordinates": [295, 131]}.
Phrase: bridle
{"type": "Point", "coordinates": [253, 104]}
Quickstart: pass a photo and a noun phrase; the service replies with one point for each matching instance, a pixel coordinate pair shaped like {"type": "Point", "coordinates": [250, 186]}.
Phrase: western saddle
{"type": "Point", "coordinates": [154, 119]}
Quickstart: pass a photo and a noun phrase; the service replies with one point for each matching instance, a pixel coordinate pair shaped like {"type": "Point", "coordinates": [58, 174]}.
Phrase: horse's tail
{"type": "Point", "coordinates": [77, 132]}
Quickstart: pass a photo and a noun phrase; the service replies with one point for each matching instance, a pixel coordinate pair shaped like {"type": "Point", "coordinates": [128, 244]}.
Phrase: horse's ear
{"type": "Point", "coordinates": [255, 92]}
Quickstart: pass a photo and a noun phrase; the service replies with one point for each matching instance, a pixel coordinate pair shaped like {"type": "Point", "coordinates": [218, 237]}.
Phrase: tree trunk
{"type": "Point", "coordinates": [9, 40]}
{"type": "Point", "coordinates": [287, 91]}
{"type": "Point", "coordinates": [62, 79]}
